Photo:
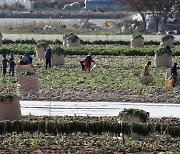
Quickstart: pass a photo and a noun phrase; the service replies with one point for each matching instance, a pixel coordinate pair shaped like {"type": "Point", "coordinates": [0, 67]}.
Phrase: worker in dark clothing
{"type": "Point", "coordinates": [28, 58]}
{"type": "Point", "coordinates": [24, 59]}
{"type": "Point", "coordinates": [174, 73]}
{"type": "Point", "coordinates": [12, 55]}
{"type": "Point", "coordinates": [11, 66]}
{"type": "Point", "coordinates": [48, 56]}
{"type": "Point", "coordinates": [4, 65]}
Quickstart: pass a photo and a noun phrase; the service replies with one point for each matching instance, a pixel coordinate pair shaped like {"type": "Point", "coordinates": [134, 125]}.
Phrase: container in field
{"type": "Point", "coordinates": [10, 108]}
{"type": "Point", "coordinates": [22, 68]}
{"type": "Point", "coordinates": [58, 57]}
{"type": "Point", "coordinates": [169, 80]}
{"type": "Point", "coordinates": [40, 50]}
{"type": "Point", "coordinates": [27, 84]}
{"type": "Point", "coordinates": [146, 79]}
{"type": "Point", "coordinates": [137, 41]}
{"type": "Point", "coordinates": [58, 60]}
{"type": "Point", "coordinates": [71, 40]}
{"type": "Point", "coordinates": [132, 117]}
{"type": "Point", "coordinates": [167, 40]}
{"type": "Point", "coordinates": [163, 57]}
{"type": "Point", "coordinates": [163, 60]}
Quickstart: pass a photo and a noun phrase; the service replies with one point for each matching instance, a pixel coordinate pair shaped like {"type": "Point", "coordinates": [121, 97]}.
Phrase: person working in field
{"type": "Point", "coordinates": [146, 69]}
{"type": "Point", "coordinates": [146, 77]}
{"type": "Point", "coordinates": [11, 66]}
{"type": "Point", "coordinates": [4, 65]}
{"type": "Point", "coordinates": [48, 57]}
{"type": "Point", "coordinates": [86, 63]}
{"type": "Point", "coordinates": [174, 73]}
{"type": "Point", "coordinates": [25, 59]}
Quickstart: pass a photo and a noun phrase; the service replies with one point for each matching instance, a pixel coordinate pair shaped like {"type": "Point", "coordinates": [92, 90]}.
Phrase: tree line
{"type": "Point", "coordinates": [158, 9]}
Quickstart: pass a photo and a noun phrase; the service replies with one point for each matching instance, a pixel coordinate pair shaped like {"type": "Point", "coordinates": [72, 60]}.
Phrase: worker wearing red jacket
{"type": "Point", "coordinates": [86, 63]}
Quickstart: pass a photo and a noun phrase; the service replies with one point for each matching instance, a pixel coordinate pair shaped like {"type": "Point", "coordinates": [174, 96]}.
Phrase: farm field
{"type": "Point", "coordinates": [93, 142]}
{"type": "Point", "coordinates": [113, 79]}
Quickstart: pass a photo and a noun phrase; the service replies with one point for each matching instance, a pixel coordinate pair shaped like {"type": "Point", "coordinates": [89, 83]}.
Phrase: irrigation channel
{"type": "Point", "coordinates": [96, 108]}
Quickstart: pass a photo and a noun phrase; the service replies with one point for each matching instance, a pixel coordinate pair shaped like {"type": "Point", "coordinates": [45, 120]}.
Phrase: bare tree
{"type": "Point", "coordinates": [169, 9]}
{"type": "Point", "coordinates": [137, 6]}
{"type": "Point", "coordinates": [161, 9]}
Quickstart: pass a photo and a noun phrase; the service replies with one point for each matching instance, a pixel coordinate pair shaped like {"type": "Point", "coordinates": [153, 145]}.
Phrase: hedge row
{"type": "Point", "coordinates": [115, 51]}
{"type": "Point", "coordinates": [32, 41]}
{"type": "Point", "coordinates": [95, 50]}
{"type": "Point", "coordinates": [122, 42]}
{"type": "Point", "coordinates": [95, 42]}
{"type": "Point", "coordinates": [17, 49]}
{"type": "Point", "coordinates": [55, 127]}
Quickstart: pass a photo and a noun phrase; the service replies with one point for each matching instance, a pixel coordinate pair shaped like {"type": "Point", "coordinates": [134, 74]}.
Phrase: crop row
{"type": "Point", "coordinates": [55, 127]}
{"type": "Point", "coordinates": [95, 50]}
{"type": "Point", "coordinates": [84, 42]}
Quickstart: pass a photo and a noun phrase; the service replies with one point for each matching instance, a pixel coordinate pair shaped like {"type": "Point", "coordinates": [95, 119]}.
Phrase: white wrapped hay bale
{"type": "Point", "coordinates": [10, 109]}
{"type": "Point", "coordinates": [27, 84]}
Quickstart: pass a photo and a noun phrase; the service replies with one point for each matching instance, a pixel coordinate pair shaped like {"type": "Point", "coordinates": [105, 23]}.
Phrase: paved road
{"type": "Point", "coordinates": [96, 108]}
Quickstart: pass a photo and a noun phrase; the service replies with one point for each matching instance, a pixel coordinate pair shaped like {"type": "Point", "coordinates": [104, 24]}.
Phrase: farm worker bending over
{"type": "Point", "coordinates": [146, 69]}
{"type": "Point", "coordinates": [82, 63]}
{"type": "Point", "coordinates": [48, 56]}
{"type": "Point", "coordinates": [24, 59]}
{"type": "Point", "coordinates": [86, 63]}
{"type": "Point", "coordinates": [4, 65]}
{"type": "Point", "coordinates": [174, 73]}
